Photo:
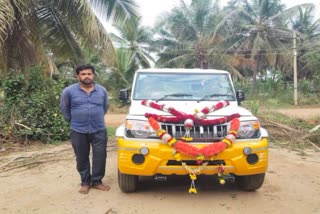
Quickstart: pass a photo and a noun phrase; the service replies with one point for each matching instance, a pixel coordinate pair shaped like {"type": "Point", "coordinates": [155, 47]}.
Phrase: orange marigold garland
{"type": "Point", "coordinates": [184, 148]}
{"type": "Point", "coordinates": [190, 150]}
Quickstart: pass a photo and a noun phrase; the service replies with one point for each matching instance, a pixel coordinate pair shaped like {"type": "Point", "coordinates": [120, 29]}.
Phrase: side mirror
{"type": "Point", "coordinates": [123, 94]}
{"type": "Point", "coordinates": [240, 96]}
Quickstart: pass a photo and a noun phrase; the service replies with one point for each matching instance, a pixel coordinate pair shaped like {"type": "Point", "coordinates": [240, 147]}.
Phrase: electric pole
{"type": "Point", "coordinates": [295, 79]}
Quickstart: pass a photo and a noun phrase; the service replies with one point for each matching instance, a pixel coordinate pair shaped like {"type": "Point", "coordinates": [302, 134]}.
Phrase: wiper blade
{"type": "Point", "coordinates": [174, 95]}
{"type": "Point", "coordinates": [215, 95]}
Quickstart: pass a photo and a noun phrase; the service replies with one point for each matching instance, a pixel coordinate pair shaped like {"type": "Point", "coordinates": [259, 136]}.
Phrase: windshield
{"type": "Point", "coordinates": [184, 86]}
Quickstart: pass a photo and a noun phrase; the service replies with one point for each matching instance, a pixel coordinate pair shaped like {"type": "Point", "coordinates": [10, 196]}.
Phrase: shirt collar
{"type": "Point", "coordinates": [94, 86]}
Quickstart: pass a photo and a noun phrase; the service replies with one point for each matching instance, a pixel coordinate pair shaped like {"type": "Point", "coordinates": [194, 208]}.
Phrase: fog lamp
{"type": "Point", "coordinates": [252, 159]}
{"type": "Point", "coordinates": [138, 159]}
{"type": "Point", "coordinates": [144, 150]}
{"type": "Point", "coordinates": [247, 151]}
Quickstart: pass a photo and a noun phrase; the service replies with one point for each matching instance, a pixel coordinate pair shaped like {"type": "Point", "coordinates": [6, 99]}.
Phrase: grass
{"type": "Point", "coordinates": [112, 132]}
{"type": "Point", "coordinates": [118, 107]}
{"type": "Point", "coordinates": [288, 138]}
{"type": "Point", "coordinates": [278, 117]}
{"type": "Point", "coordinates": [255, 105]}
{"type": "Point", "coordinates": [280, 136]}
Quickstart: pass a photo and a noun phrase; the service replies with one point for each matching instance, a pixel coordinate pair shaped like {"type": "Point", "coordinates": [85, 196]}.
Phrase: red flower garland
{"type": "Point", "coordinates": [188, 149]}
{"type": "Point", "coordinates": [205, 110]}
{"type": "Point", "coordinates": [180, 116]}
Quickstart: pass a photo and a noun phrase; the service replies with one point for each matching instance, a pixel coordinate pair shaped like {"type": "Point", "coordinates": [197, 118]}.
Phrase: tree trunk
{"type": "Point", "coordinates": [204, 64]}
{"type": "Point", "coordinates": [254, 79]}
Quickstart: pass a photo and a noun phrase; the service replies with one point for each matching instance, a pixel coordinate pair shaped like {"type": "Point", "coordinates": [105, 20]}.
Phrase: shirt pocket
{"type": "Point", "coordinates": [97, 100]}
{"type": "Point", "coordinates": [79, 101]}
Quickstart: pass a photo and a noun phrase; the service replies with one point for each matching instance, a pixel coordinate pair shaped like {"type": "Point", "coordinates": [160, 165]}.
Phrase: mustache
{"type": "Point", "coordinates": [86, 81]}
{"type": "Point", "coordinates": [87, 78]}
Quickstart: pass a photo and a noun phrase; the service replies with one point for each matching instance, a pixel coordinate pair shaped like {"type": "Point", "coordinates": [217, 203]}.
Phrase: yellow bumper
{"type": "Point", "coordinates": [156, 161]}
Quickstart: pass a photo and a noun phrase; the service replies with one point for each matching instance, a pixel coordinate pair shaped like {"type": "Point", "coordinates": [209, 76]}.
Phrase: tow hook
{"type": "Point", "coordinates": [160, 178]}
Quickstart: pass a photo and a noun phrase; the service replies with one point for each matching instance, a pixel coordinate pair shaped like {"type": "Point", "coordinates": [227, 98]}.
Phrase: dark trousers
{"type": "Point", "coordinates": [81, 146]}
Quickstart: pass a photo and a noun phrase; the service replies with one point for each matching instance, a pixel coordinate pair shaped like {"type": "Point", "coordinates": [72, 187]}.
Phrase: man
{"type": "Point", "coordinates": [84, 105]}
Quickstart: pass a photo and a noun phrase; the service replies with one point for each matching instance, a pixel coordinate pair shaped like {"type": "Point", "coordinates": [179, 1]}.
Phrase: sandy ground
{"type": "Point", "coordinates": [307, 112]}
{"type": "Point", "coordinates": [292, 185]}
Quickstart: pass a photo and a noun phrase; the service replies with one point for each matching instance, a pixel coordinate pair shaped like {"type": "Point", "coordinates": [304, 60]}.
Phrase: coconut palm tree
{"type": "Point", "coordinates": [187, 34]}
{"type": "Point", "coordinates": [187, 38]}
{"type": "Point", "coordinates": [309, 42]}
{"type": "Point", "coordinates": [55, 31]}
{"type": "Point", "coordinates": [262, 33]}
{"type": "Point", "coordinates": [137, 41]}
{"type": "Point", "coordinates": [116, 78]}
{"type": "Point", "coordinates": [304, 22]}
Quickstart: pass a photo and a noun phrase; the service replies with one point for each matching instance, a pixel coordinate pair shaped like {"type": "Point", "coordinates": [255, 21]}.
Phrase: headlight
{"type": "Point", "coordinates": [248, 129]}
{"type": "Point", "coordinates": [139, 129]}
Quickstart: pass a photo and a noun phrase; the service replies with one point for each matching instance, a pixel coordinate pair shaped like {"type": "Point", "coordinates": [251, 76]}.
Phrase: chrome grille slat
{"type": "Point", "coordinates": [174, 130]}
{"type": "Point", "coordinates": [198, 133]}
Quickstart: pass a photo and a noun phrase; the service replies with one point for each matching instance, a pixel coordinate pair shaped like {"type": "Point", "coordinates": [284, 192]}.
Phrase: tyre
{"type": "Point", "coordinates": [127, 183]}
{"type": "Point", "coordinates": [250, 182]}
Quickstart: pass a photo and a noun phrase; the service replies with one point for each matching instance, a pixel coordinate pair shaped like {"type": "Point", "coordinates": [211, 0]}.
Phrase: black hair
{"type": "Point", "coordinates": [84, 67]}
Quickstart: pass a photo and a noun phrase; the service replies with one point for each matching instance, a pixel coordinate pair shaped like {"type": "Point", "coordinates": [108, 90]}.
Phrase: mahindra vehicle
{"type": "Point", "coordinates": [189, 122]}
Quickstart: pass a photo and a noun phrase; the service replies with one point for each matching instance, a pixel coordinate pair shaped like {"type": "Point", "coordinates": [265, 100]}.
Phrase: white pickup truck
{"type": "Point", "coordinates": [179, 123]}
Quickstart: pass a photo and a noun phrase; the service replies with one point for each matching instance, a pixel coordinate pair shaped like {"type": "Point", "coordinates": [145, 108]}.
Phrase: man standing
{"type": "Point", "coordinates": [84, 105]}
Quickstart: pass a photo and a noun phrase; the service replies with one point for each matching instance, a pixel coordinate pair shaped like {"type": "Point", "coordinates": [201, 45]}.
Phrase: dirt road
{"type": "Point", "coordinates": [307, 113]}
{"type": "Point", "coordinates": [292, 185]}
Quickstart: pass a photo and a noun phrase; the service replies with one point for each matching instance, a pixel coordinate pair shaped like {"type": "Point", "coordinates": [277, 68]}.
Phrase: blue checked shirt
{"type": "Point", "coordinates": [84, 111]}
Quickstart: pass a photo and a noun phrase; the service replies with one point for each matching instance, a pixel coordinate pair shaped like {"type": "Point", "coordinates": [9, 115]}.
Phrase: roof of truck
{"type": "Point", "coordinates": [182, 70]}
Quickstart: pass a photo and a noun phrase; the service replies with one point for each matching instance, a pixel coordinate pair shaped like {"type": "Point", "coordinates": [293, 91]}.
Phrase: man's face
{"type": "Point", "coordinates": [86, 76]}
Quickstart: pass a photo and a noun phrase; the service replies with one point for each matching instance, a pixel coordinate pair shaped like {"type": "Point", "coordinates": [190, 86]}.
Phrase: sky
{"type": "Point", "coordinates": [150, 9]}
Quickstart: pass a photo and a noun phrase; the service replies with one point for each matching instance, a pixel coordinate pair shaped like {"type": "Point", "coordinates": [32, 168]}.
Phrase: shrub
{"type": "Point", "coordinates": [280, 92]}
{"type": "Point", "coordinates": [31, 108]}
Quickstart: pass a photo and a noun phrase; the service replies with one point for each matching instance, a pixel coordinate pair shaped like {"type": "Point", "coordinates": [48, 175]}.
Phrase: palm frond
{"type": "Point", "coordinates": [6, 20]}
{"type": "Point", "coordinates": [117, 10]}
{"type": "Point", "coordinates": [289, 12]}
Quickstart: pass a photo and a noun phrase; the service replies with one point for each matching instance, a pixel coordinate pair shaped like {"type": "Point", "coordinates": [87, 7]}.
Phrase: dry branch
{"type": "Point", "coordinates": [315, 128]}
{"type": "Point", "coordinates": [284, 126]}
{"type": "Point", "coordinates": [34, 159]}
{"type": "Point", "coordinates": [33, 163]}
{"type": "Point", "coordinates": [14, 159]}
{"type": "Point", "coordinates": [314, 145]}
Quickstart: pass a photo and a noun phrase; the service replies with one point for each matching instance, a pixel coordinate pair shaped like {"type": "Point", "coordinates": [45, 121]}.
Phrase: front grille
{"type": "Point", "coordinates": [198, 133]}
